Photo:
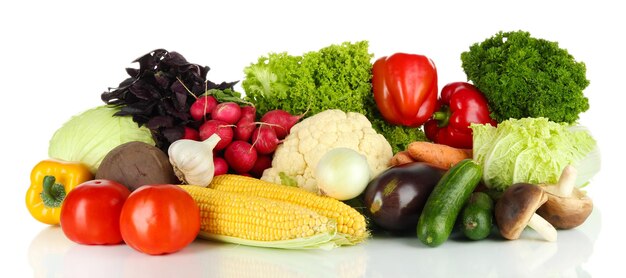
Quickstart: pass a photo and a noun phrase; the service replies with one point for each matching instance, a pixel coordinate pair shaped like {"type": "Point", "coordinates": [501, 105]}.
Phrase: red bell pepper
{"type": "Point", "coordinates": [405, 88]}
{"type": "Point", "coordinates": [460, 105]}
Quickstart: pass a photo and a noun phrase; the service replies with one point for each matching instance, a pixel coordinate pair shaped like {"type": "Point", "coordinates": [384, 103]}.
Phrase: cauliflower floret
{"type": "Point", "coordinates": [310, 139]}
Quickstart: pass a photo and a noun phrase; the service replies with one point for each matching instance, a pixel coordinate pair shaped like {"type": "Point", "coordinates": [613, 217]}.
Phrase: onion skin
{"type": "Point", "coordinates": [342, 173]}
{"type": "Point", "coordinates": [394, 199]}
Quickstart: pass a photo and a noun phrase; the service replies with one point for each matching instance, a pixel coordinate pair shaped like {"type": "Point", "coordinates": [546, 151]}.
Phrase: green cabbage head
{"type": "Point", "coordinates": [90, 135]}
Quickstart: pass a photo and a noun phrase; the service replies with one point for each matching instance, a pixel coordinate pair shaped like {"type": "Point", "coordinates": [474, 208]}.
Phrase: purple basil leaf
{"type": "Point", "coordinates": [126, 83]}
{"type": "Point", "coordinates": [160, 122]}
{"type": "Point", "coordinates": [141, 120]}
{"type": "Point", "coordinates": [139, 108]}
{"type": "Point", "coordinates": [210, 85]}
{"type": "Point", "coordinates": [178, 87]}
{"type": "Point", "coordinates": [141, 90]}
{"type": "Point", "coordinates": [203, 72]}
{"type": "Point", "coordinates": [154, 94]}
{"type": "Point", "coordinates": [167, 107]}
{"type": "Point", "coordinates": [162, 79]}
{"type": "Point", "coordinates": [132, 72]}
{"type": "Point", "coordinates": [170, 107]}
{"type": "Point", "coordinates": [182, 115]}
{"type": "Point", "coordinates": [227, 85]}
{"type": "Point", "coordinates": [173, 133]}
{"type": "Point", "coordinates": [112, 98]}
{"type": "Point", "coordinates": [180, 94]}
{"type": "Point", "coordinates": [175, 59]}
{"type": "Point", "coordinates": [145, 62]}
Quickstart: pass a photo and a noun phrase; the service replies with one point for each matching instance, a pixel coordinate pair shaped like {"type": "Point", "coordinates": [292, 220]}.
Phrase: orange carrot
{"type": "Point", "coordinates": [437, 154]}
{"type": "Point", "coordinates": [402, 157]}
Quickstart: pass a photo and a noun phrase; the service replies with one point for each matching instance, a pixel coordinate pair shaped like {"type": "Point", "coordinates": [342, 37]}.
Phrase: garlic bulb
{"type": "Point", "coordinates": [193, 160]}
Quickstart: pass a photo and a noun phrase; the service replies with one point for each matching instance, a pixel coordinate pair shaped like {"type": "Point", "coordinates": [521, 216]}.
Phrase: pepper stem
{"type": "Point", "coordinates": [442, 116]}
{"type": "Point", "coordinates": [52, 194]}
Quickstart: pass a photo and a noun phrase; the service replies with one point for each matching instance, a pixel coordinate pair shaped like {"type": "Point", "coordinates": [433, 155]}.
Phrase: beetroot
{"type": "Point", "coordinates": [224, 130]}
{"type": "Point", "coordinates": [240, 156]}
{"type": "Point", "coordinates": [264, 139]}
{"type": "Point", "coordinates": [202, 106]}
{"type": "Point", "coordinates": [281, 121]}
{"type": "Point", "coordinates": [228, 112]}
{"type": "Point", "coordinates": [245, 125]}
{"type": "Point", "coordinates": [221, 167]}
{"type": "Point", "coordinates": [262, 162]}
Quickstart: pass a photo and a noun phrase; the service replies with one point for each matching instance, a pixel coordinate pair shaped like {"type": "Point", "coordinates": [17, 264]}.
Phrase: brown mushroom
{"type": "Point", "coordinates": [516, 209]}
{"type": "Point", "coordinates": [567, 206]}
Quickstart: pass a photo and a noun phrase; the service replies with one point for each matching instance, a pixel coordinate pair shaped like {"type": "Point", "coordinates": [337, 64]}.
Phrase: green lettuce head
{"type": "Point", "coordinates": [89, 136]}
{"type": "Point", "coordinates": [533, 150]}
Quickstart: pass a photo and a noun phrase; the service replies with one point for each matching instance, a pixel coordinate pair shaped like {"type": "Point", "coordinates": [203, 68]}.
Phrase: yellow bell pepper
{"type": "Point", "coordinates": [50, 181]}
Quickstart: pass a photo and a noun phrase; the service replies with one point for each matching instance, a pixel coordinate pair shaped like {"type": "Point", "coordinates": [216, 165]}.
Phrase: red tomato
{"type": "Point", "coordinates": [90, 213]}
{"type": "Point", "coordinates": [159, 219]}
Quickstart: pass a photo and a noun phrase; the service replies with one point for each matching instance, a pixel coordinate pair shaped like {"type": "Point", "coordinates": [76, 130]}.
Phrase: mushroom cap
{"type": "Point", "coordinates": [565, 212]}
{"type": "Point", "coordinates": [516, 206]}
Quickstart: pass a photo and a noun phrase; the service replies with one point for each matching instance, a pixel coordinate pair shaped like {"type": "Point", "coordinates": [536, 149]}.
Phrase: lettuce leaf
{"type": "Point", "coordinates": [533, 150]}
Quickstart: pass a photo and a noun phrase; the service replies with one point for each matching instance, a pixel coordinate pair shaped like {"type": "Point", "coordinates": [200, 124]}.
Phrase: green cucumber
{"type": "Point", "coordinates": [477, 216]}
{"type": "Point", "coordinates": [446, 201]}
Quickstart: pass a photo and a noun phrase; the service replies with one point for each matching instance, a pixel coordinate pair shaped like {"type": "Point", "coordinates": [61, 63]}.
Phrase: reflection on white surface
{"type": "Point", "coordinates": [52, 255]}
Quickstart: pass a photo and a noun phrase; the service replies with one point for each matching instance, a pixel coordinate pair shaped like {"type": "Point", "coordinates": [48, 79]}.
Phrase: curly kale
{"type": "Point", "coordinates": [522, 76]}
{"type": "Point", "coordinates": [334, 77]}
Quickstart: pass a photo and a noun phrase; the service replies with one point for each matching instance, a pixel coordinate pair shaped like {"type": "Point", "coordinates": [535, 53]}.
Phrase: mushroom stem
{"type": "Point", "coordinates": [567, 181]}
{"type": "Point", "coordinates": [543, 227]}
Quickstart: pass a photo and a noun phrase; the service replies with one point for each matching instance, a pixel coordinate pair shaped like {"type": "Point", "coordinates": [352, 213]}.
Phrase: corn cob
{"type": "Point", "coordinates": [251, 220]}
{"type": "Point", "coordinates": [350, 222]}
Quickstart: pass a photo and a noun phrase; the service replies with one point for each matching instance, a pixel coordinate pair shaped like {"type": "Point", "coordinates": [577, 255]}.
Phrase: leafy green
{"type": "Point", "coordinates": [89, 136]}
{"type": "Point", "coordinates": [226, 95]}
{"type": "Point", "coordinates": [335, 77]}
{"type": "Point", "coordinates": [522, 76]}
{"type": "Point", "coordinates": [533, 150]}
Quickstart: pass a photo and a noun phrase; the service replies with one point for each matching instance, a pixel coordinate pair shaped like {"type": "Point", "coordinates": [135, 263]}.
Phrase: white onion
{"type": "Point", "coordinates": [342, 173]}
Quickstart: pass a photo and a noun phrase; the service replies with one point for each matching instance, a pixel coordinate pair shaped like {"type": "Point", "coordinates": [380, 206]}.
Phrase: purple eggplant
{"type": "Point", "coordinates": [395, 198]}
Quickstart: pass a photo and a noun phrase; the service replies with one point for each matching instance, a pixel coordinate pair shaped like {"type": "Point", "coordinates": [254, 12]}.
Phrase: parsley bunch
{"type": "Point", "coordinates": [522, 76]}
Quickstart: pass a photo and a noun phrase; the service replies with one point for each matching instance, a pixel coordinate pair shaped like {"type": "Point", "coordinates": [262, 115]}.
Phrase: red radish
{"type": "Point", "coordinates": [221, 167]}
{"type": "Point", "coordinates": [229, 112]}
{"type": "Point", "coordinates": [248, 110]}
{"type": "Point", "coordinates": [191, 134]}
{"type": "Point", "coordinates": [246, 124]}
{"type": "Point", "coordinates": [223, 130]}
{"type": "Point", "coordinates": [264, 139]}
{"type": "Point", "coordinates": [262, 162]}
{"type": "Point", "coordinates": [240, 156]}
{"type": "Point", "coordinates": [281, 121]}
{"type": "Point", "coordinates": [202, 106]}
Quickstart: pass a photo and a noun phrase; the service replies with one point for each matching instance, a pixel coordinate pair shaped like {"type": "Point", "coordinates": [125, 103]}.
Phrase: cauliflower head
{"type": "Point", "coordinates": [308, 140]}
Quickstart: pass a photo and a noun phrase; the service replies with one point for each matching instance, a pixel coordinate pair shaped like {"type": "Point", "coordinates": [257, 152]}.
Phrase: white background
{"type": "Point", "coordinates": [57, 57]}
